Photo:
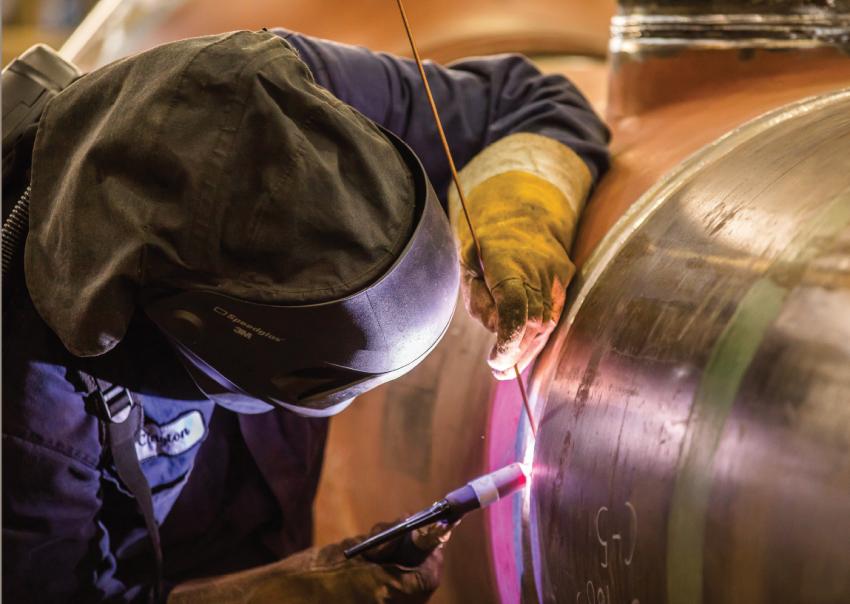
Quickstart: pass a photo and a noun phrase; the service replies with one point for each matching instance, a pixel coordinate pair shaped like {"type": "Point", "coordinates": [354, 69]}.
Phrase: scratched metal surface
{"type": "Point", "coordinates": [694, 444]}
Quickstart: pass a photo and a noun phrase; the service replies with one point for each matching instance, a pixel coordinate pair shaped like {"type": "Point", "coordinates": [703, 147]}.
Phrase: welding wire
{"type": "Point", "coordinates": [525, 402]}
{"type": "Point", "coordinates": [459, 189]}
{"type": "Point", "coordinates": [439, 123]}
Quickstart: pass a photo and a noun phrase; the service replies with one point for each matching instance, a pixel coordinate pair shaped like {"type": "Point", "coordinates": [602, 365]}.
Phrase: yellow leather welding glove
{"type": "Point", "coordinates": [524, 194]}
{"type": "Point", "coordinates": [325, 575]}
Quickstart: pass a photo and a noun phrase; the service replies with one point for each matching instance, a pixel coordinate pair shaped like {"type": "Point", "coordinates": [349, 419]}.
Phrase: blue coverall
{"type": "Point", "coordinates": [230, 491]}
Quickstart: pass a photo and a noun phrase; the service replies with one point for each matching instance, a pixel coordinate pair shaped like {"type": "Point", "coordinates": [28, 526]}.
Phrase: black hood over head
{"type": "Point", "coordinates": [212, 163]}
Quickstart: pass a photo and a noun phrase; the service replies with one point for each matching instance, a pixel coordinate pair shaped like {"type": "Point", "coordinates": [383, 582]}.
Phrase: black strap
{"type": "Point", "coordinates": [123, 415]}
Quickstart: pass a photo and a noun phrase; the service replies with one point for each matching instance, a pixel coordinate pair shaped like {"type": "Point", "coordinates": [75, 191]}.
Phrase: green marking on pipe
{"type": "Point", "coordinates": [729, 360]}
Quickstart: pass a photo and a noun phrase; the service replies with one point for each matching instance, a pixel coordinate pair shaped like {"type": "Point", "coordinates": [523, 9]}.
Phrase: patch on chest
{"type": "Point", "coordinates": [173, 438]}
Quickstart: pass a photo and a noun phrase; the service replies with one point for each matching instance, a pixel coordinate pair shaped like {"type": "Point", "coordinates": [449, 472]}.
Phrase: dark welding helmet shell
{"type": "Point", "coordinates": [313, 359]}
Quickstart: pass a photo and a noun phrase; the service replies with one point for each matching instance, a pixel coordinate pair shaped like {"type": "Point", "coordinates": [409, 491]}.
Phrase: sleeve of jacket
{"type": "Point", "coordinates": [480, 100]}
{"type": "Point", "coordinates": [54, 547]}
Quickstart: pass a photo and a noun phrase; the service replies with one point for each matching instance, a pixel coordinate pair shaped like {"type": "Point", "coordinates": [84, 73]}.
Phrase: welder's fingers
{"type": "Point", "coordinates": [512, 309]}
{"type": "Point", "coordinates": [427, 576]}
{"type": "Point", "coordinates": [550, 319]}
{"type": "Point", "coordinates": [532, 343]}
{"type": "Point", "coordinates": [543, 315]}
{"type": "Point", "coordinates": [478, 300]}
{"type": "Point", "coordinates": [411, 550]}
{"type": "Point", "coordinates": [522, 316]}
{"type": "Point", "coordinates": [433, 536]}
{"type": "Point", "coordinates": [385, 551]}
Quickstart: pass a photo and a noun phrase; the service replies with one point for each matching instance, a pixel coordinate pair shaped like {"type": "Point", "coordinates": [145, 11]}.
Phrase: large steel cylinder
{"type": "Point", "coordinates": [694, 440]}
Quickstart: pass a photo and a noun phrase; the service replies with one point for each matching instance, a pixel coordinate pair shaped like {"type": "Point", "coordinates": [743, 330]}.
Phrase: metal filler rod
{"type": "Point", "coordinates": [475, 494]}
{"type": "Point", "coordinates": [459, 189]}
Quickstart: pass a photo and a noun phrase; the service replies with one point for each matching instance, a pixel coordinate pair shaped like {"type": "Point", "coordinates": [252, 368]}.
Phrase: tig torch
{"type": "Point", "coordinates": [478, 493]}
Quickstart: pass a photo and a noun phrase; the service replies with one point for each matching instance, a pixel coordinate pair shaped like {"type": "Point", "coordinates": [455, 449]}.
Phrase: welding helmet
{"type": "Point", "coordinates": [291, 250]}
{"type": "Point", "coordinates": [313, 359]}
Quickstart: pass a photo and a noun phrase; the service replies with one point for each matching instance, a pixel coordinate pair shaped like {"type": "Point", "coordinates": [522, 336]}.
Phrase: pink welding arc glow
{"type": "Point", "coordinates": [460, 194]}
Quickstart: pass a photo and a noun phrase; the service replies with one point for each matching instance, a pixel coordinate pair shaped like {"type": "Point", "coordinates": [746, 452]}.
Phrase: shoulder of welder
{"type": "Point", "coordinates": [481, 100]}
{"type": "Point", "coordinates": [524, 99]}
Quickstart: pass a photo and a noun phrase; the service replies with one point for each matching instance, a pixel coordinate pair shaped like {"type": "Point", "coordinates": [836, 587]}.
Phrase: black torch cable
{"type": "Point", "coordinates": [439, 511]}
{"type": "Point", "coordinates": [459, 189]}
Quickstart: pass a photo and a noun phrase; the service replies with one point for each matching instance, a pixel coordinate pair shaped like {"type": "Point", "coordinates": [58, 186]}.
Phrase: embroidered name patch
{"type": "Point", "coordinates": [173, 438]}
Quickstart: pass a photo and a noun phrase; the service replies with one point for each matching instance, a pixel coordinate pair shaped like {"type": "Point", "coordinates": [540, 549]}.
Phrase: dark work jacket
{"type": "Point", "coordinates": [230, 491]}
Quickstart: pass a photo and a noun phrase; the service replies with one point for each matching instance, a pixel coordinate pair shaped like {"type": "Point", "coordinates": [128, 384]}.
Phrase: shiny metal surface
{"type": "Point", "coordinates": [641, 33]}
{"type": "Point", "coordinates": [649, 26]}
{"type": "Point", "coordinates": [694, 437]}
{"type": "Point", "coordinates": [665, 51]}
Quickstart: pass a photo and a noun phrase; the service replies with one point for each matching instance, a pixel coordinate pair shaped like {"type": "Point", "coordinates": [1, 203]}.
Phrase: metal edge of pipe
{"type": "Point", "coordinates": [633, 33]}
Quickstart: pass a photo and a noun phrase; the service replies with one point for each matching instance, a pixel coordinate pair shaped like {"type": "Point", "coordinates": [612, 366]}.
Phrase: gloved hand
{"type": "Point", "coordinates": [324, 575]}
{"type": "Point", "coordinates": [524, 194]}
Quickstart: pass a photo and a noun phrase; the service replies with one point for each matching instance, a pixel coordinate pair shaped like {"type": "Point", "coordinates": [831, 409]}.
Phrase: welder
{"type": "Point", "coordinates": [229, 240]}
